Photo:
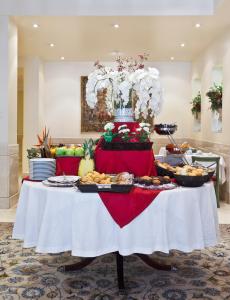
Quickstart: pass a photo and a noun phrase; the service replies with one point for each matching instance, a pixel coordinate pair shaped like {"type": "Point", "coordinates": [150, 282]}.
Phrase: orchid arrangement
{"type": "Point", "coordinates": [120, 83]}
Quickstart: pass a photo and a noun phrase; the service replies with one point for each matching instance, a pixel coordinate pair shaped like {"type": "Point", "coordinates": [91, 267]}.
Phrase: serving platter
{"type": "Point", "coordinates": [65, 179]}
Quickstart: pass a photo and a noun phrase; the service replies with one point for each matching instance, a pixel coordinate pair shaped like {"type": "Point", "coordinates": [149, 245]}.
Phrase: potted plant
{"type": "Point", "coordinates": [127, 140]}
{"type": "Point", "coordinates": [44, 144]}
{"type": "Point", "coordinates": [215, 97]}
{"type": "Point", "coordinates": [196, 105]}
{"type": "Point", "coordinates": [109, 134]}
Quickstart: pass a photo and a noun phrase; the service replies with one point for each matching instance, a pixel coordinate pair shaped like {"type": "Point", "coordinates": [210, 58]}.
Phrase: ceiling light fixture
{"type": "Point", "coordinates": [62, 57]}
{"type": "Point", "coordinates": [116, 26]}
{"type": "Point", "coordinates": [35, 25]}
{"type": "Point", "coordinates": [51, 45]}
{"type": "Point", "coordinates": [182, 45]}
{"type": "Point", "coordinates": [197, 25]}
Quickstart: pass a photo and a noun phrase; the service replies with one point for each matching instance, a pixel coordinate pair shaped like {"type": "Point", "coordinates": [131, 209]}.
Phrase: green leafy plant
{"type": "Point", "coordinates": [215, 97]}
{"type": "Point", "coordinates": [196, 105]}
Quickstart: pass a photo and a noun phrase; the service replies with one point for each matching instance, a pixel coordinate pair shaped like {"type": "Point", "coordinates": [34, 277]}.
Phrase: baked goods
{"type": "Point", "coordinates": [124, 178]}
{"type": "Point", "coordinates": [96, 178]}
{"type": "Point", "coordinates": [165, 166]}
{"type": "Point", "coordinates": [155, 180]}
{"type": "Point", "coordinates": [191, 171]}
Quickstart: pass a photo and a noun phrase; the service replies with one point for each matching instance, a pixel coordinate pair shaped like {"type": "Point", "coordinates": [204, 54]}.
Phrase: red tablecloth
{"type": "Point", "coordinates": [139, 163]}
{"type": "Point", "coordinates": [68, 165]}
{"type": "Point", "coordinates": [125, 207]}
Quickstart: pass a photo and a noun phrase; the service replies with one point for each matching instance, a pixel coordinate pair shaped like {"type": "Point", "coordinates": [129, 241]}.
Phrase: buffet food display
{"type": "Point", "coordinates": [89, 180]}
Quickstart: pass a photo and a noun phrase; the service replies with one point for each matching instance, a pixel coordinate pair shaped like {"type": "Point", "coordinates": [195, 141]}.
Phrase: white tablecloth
{"type": "Point", "coordinates": [60, 219]}
{"type": "Point", "coordinates": [163, 153]}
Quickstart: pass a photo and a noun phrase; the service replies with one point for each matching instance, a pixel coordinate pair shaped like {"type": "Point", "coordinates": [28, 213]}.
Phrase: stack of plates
{"type": "Point", "coordinates": [42, 168]}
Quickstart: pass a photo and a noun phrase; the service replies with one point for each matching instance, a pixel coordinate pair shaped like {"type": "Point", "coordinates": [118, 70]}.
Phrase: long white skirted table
{"type": "Point", "coordinates": [62, 219]}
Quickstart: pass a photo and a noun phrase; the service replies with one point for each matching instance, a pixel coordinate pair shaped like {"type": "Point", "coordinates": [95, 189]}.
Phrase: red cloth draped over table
{"type": "Point", "coordinates": [67, 165]}
{"type": "Point", "coordinates": [139, 163]}
{"type": "Point", "coordinates": [125, 207]}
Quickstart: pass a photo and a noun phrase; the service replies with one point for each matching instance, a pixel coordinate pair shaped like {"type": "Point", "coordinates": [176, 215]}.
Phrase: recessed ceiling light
{"type": "Point", "coordinates": [62, 57]}
{"type": "Point", "coordinates": [51, 45]}
{"type": "Point", "coordinates": [35, 25]}
{"type": "Point", "coordinates": [116, 53]}
{"type": "Point", "coordinates": [182, 45]}
{"type": "Point", "coordinates": [172, 58]}
{"type": "Point", "coordinates": [116, 26]}
{"type": "Point", "coordinates": [197, 25]}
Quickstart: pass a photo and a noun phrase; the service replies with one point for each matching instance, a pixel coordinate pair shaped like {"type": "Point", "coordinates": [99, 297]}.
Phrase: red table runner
{"type": "Point", "coordinates": [68, 165]}
{"type": "Point", "coordinates": [123, 208]}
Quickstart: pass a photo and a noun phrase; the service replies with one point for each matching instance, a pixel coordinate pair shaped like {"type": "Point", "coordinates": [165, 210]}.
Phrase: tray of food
{"type": "Point", "coordinates": [95, 182]}
{"type": "Point", "coordinates": [155, 182]}
{"type": "Point", "coordinates": [192, 176]}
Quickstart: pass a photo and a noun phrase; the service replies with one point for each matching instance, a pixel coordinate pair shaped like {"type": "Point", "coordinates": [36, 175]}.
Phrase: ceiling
{"type": "Point", "coordinates": [88, 38]}
{"type": "Point", "coordinates": [107, 8]}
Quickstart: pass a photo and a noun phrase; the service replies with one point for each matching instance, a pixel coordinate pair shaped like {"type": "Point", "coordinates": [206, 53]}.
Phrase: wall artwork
{"type": "Point", "coordinates": [92, 119]}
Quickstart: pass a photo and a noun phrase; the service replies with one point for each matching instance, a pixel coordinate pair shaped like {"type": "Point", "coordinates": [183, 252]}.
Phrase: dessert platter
{"type": "Point", "coordinates": [155, 182]}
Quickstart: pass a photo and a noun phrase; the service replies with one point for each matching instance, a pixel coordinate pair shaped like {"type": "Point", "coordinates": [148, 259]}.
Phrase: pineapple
{"type": "Point", "coordinates": [87, 163]}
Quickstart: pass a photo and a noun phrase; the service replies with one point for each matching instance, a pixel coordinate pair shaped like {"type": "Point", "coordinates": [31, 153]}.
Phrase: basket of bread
{"type": "Point", "coordinates": [165, 169]}
{"type": "Point", "coordinates": [191, 176]}
{"type": "Point", "coordinates": [95, 182]}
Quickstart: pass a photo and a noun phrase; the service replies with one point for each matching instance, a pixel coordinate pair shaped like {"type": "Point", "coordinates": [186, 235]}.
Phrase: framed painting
{"type": "Point", "coordinates": [92, 119]}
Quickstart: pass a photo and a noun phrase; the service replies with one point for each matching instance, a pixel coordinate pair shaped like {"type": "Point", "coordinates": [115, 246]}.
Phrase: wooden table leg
{"type": "Point", "coordinates": [77, 266]}
{"type": "Point", "coordinates": [120, 271]}
{"type": "Point", "coordinates": [153, 263]}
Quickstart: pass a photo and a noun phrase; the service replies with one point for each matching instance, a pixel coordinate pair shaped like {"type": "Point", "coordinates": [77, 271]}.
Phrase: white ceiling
{"type": "Point", "coordinates": [107, 7]}
{"type": "Point", "coordinates": [87, 38]}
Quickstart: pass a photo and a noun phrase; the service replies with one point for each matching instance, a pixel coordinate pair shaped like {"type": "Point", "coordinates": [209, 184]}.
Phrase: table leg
{"type": "Point", "coordinates": [153, 263]}
{"type": "Point", "coordinates": [120, 271]}
{"type": "Point", "coordinates": [77, 266]}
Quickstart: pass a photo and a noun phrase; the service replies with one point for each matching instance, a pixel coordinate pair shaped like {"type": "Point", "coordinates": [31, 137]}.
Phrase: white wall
{"type": "Point", "coordinates": [217, 55]}
{"type": "Point", "coordinates": [62, 108]}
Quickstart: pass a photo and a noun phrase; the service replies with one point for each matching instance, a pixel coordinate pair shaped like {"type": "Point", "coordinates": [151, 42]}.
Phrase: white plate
{"type": "Point", "coordinates": [63, 179]}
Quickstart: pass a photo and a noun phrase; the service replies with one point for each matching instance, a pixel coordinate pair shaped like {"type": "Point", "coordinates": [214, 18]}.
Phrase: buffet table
{"type": "Point", "coordinates": [56, 219]}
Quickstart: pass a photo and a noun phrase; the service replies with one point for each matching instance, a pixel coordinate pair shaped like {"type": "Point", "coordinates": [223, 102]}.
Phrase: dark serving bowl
{"type": "Point", "coordinates": [190, 181]}
{"type": "Point", "coordinates": [164, 172]}
{"type": "Point", "coordinates": [165, 129]}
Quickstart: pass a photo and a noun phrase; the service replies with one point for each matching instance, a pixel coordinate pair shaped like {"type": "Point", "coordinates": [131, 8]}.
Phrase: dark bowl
{"type": "Point", "coordinates": [190, 181]}
{"type": "Point", "coordinates": [165, 129]}
{"type": "Point", "coordinates": [164, 172]}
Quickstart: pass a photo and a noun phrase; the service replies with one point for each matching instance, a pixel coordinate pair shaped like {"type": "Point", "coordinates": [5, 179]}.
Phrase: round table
{"type": "Point", "coordinates": [62, 219]}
